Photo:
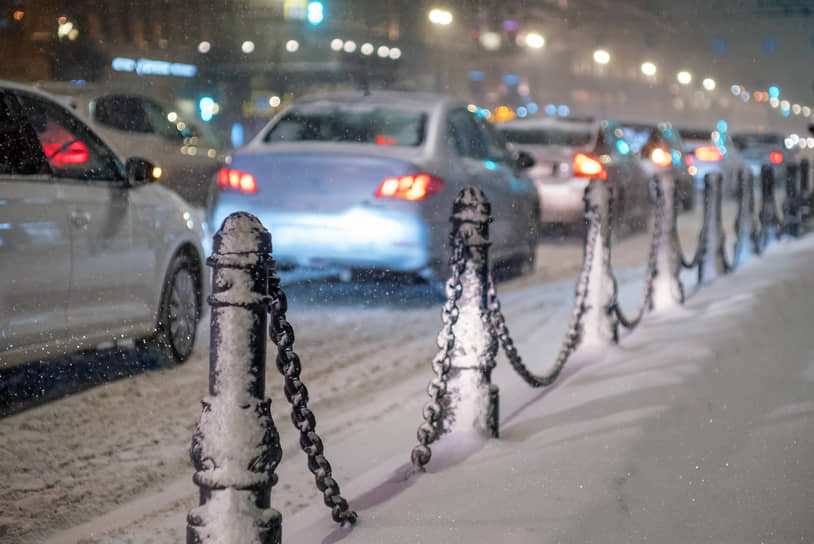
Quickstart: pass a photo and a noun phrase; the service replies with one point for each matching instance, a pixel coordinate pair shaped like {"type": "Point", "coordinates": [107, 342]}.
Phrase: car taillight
{"type": "Point", "coordinates": [587, 167]}
{"type": "Point", "coordinates": [661, 158]}
{"type": "Point", "coordinates": [776, 157]}
{"type": "Point", "coordinates": [75, 153]}
{"type": "Point", "coordinates": [235, 179]}
{"type": "Point", "coordinates": [410, 187]}
{"type": "Point", "coordinates": [708, 153]}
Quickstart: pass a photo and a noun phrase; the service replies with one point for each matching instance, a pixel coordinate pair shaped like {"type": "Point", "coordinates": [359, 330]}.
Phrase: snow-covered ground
{"type": "Point", "coordinates": [698, 426]}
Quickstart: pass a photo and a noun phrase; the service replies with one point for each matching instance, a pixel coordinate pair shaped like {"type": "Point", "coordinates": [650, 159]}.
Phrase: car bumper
{"type": "Point", "coordinates": [562, 201]}
{"type": "Point", "coordinates": [360, 238]}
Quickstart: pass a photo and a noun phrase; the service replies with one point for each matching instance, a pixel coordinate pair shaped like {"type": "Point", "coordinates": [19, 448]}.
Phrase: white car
{"type": "Point", "coordinates": [91, 252]}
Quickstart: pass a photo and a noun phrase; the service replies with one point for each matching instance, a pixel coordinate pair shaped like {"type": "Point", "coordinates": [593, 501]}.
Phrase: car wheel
{"type": "Point", "coordinates": [178, 313]}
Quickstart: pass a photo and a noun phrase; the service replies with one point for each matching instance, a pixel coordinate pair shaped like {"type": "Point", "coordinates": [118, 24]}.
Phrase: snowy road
{"type": "Point", "coordinates": [110, 464]}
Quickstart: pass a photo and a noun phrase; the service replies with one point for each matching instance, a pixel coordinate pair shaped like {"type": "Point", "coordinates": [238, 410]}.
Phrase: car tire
{"type": "Point", "coordinates": [178, 314]}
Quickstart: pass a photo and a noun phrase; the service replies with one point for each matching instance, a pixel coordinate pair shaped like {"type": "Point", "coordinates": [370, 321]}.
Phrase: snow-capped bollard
{"type": "Point", "coordinates": [471, 401]}
{"type": "Point", "coordinates": [791, 203]}
{"type": "Point", "coordinates": [462, 397]}
{"type": "Point", "coordinates": [713, 256]}
{"type": "Point", "coordinates": [745, 228]}
{"type": "Point", "coordinates": [768, 207]}
{"type": "Point", "coordinates": [667, 286]}
{"type": "Point", "coordinates": [805, 189]}
{"type": "Point", "coordinates": [599, 322]}
{"type": "Point", "coordinates": [236, 448]}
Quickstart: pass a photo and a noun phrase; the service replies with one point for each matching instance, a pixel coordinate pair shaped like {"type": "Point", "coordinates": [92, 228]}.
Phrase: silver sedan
{"type": "Point", "coordinates": [91, 252]}
{"type": "Point", "coordinates": [353, 183]}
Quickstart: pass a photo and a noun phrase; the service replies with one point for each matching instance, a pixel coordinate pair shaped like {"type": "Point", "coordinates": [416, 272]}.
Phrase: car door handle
{"type": "Point", "coordinates": [80, 219]}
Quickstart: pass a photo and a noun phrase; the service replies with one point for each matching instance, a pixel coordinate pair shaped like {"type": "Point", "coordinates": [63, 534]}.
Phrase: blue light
{"type": "Point", "coordinates": [490, 165]}
{"type": "Point", "coordinates": [315, 13]}
{"type": "Point", "coordinates": [676, 156]}
{"type": "Point", "coordinates": [522, 111]}
{"type": "Point", "coordinates": [237, 135]}
{"type": "Point", "coordinates": [563, 110]}
{"type": "Point", "coordinates": [475, 75]}
{"type": "Point", "coordinates": [550, 109]}
{"type": "Point", "coordinates": [207, 107]}
{"type": "Point", "coordinates": [667, 133]}
{"type": "Point", "coordinates": [483, 112]}
{"type": "Point", "coordinates": [510, 79]}
{"type": "Point", "coordinates": [774, 92]}
{"type": "Point", "coordinates": [622, 147]}
{"type": "Point", "coordinates": [532, 107]}
{"type": "Point", "coordinates": [786, 113]}
{"type": "Point", "coordinates": [721, 126]}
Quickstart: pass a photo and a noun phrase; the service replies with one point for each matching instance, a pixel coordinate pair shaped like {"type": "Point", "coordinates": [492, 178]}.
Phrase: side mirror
{"type": "Point", "coordinates": [524, 160]}
{"type": "Point", "coordinates": [141, 171]}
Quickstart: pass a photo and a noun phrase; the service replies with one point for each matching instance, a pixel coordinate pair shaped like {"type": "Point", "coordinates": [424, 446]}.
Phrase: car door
{"type": "Point", "coordinates": [35, 246]}
{"type": "Point", "coordinates": [105, 270]}
{"type": "Point", "coordinates": [472, 148]}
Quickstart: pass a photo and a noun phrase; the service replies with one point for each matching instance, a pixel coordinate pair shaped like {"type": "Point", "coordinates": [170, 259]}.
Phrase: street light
{"type": "Point", "coordinates": [440, 16]}
{"type": "Point", "coordinates": [601, 56]}
{"type": "Point", "coordinates": [648, 69]}
{"type": "Point", "coordinates": [535, 40]}
{"type": "Point", "coordinates": [684, 77]}
{"type": "Point", "coordinates": [708, 84]}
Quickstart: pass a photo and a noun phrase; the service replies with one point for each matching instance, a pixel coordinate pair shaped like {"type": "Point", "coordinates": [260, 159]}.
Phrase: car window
{"type": "Point", "coordinates": [157, 117]}
{"type": "Point", "coordinates": [125, 113]}
{"type": "Point", "coordinates": [547, 136]}
{"type": "Point", "coordinates": [71, 149]}
{"type": "Point", "coordinates": [350, 124]}
{"type": "Point", "coordinates": [497, 149]}
{"type": "Point", "coordinates": [19, 149]}
{"type": "Point", "coordinates": [466, 136]}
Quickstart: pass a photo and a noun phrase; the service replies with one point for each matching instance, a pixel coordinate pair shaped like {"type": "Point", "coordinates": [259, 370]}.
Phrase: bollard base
{"type": "Point", "coordinates": [471, 403]}
{"type": "Point", "coordinates": [231, 515]}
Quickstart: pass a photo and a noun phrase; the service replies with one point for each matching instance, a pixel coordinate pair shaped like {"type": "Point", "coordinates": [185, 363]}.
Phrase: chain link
{"type": "Point", "coordinates": [650, 276]}
{"type": "Point", "coordinates": [288, 363]}
{"type": "Point", "coordinates": [574, 334]}
{"type": "Point", "coordinates": [430, 428]}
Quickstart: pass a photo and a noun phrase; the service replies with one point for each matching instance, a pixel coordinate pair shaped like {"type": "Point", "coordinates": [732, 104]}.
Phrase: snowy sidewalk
{"type": "Point", "coordinates": [698, 427]}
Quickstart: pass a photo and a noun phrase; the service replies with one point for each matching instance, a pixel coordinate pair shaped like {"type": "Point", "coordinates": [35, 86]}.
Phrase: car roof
{"type": "Point", "coordinates": [559, 123]}
{"type": "Point", "coordinates": [419, 101]}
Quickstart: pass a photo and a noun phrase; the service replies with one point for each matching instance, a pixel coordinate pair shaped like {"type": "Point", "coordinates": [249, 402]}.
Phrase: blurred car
{"type": "Point", "coordinates": [758, 149]}
{"type": "Point", "coordinates": [361, 183]}
{"type": "Point", "coordinates": [570, 151]}
{"type": "Point", "coordinates": [660, 147]}
{"type": "Point", "coordinates": [189, 157]}
{"type": "Point", "coordinates": [91, 251]}
{"type": "Point", "coordinates": [707, 154]}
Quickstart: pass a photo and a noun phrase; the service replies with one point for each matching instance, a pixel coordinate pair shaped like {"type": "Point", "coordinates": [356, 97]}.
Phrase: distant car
{"type": "Point", "coordinates": [366, 183]}
{"type": "Point", "coordinates": [707, 154]}
{"type": "Point", "coordinates": [135, 123]}
{"type": "Point", "coordinates": [762, 148]}
{"type": "Point", "coordinates": [90, 250]}
{"type": "Point", "coordinates": [659, 147]}
{"type": "Point", "coordinates": [568, 152]}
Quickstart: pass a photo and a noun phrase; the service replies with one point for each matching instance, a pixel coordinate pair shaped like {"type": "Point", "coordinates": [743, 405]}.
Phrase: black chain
{"type": "Point", "coordinates": [574, 334]}
{"type": "Point", "coordinates": [430, 428]}
{"type": "Point", "coordinates": [650, 275]}
{"type": "Point", "coordinates": [288, 363]}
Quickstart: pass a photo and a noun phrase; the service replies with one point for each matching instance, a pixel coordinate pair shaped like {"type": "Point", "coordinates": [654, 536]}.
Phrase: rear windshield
{"type": "Point", "coordinates": [756, 140]}
{"type": "Point", "coordinates": [381, 126]}
{"type": "Point", "coordinates": [696, 134]}
{"type": "Point", "coordinates": [568, 138]}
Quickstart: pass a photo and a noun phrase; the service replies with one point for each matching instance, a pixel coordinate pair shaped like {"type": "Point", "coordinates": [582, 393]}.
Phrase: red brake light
{"type": "Point", "coordinates": [410, 187]}
{"type": "Point", "coordinates": [385, 140]}
{"type": "Point", "coordinates": [689, 160]}
{"type": "Point", "coordinates": [708, 153]}
{"type": "Point", "coordinates": [236, 179]}
{"type": "Point", "coordinates": [661, 158]}
{"type": "Point", "coordinates": [587, 167]}
{"type": "Point", "coordinates": [776, 157]}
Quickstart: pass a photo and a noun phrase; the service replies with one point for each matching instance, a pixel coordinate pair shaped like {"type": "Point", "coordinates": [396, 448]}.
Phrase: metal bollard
{"type": "Point", "coordinates": [745, 229]}
{"type": "Point", "coordinates": [712, 262]}
{"type": "Point", "coordinates": [768, 207]}
{"type": "Point", "coordinates": [805, 189]}
{"type": "Point", "coordinates": [600, 324]}
{"type": "Point", "coordinates": [667, 286]}
{"type": "Point", "coordinates": [791, 203]}
{"type": "Point", "coordinates": [236, 448]}
{"type": "Point", "coordinates": [471, 400]}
